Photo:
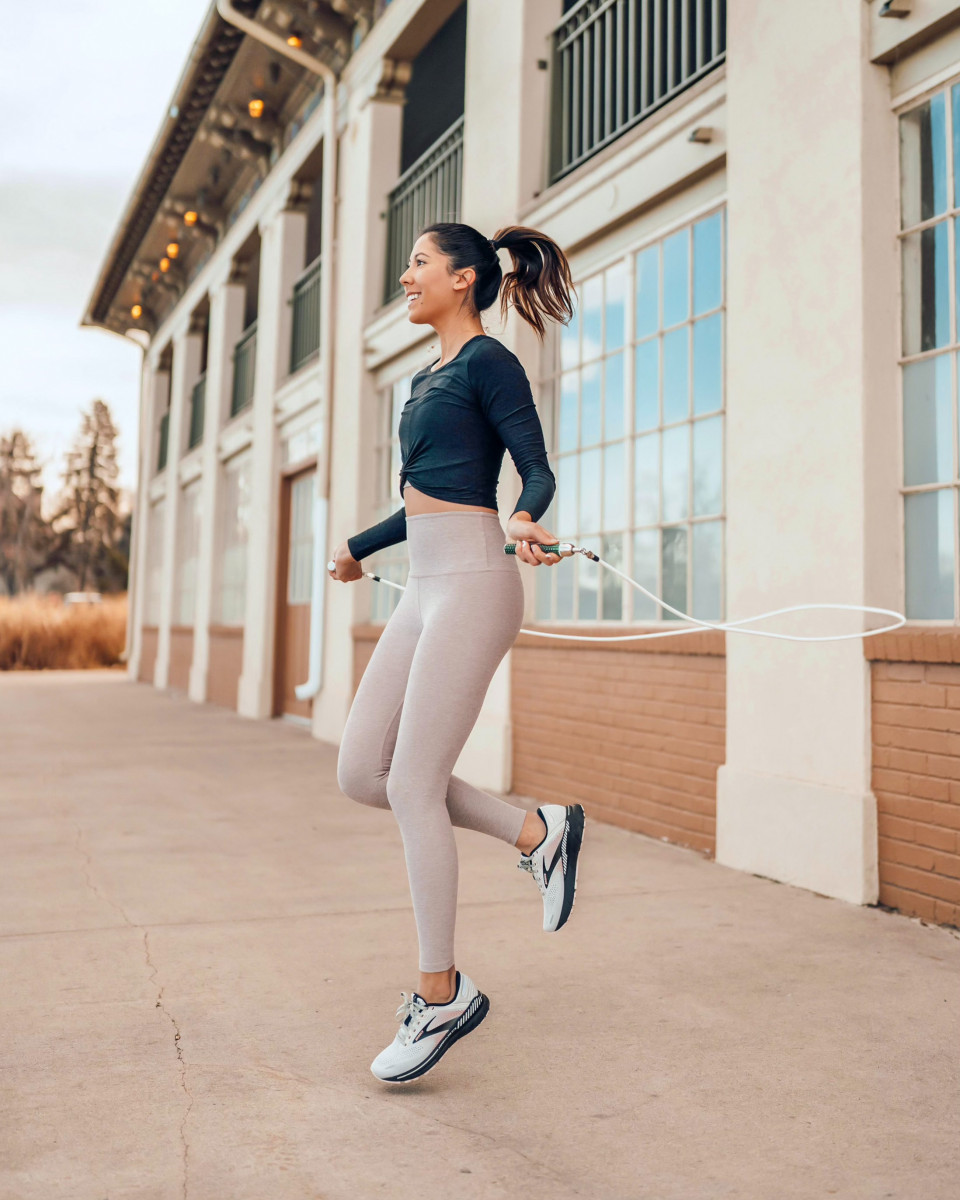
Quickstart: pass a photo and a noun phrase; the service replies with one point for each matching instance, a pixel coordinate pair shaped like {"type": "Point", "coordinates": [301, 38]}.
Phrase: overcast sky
{"type": "Point", "coordinates": [84, 89]}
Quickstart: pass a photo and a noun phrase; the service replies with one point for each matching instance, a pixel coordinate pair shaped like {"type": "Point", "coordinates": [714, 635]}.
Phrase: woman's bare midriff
{"type": "Point", "coordinates": [418, 502]}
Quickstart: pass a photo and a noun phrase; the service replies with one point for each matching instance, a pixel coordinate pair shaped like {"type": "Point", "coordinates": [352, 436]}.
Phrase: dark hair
{"type": "Point", "coordinates": [540, 281]}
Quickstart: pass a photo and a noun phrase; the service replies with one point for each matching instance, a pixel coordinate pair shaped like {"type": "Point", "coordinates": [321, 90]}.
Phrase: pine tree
{"type": "Point", "coordinates": [90, 505]}
{"type": "Point", "coordinates": [27, 543]}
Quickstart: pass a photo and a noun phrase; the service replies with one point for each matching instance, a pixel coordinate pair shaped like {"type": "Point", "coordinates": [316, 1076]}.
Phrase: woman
{"type": "Point", "coordinates": [463, 606]}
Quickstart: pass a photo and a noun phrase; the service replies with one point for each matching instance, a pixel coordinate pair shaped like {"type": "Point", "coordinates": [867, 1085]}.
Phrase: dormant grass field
{"type": "Point", "coordinates": [42, 633]}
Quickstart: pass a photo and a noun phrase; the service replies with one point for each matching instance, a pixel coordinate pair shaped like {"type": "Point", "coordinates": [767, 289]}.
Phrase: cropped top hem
{"type": "Point", "coordinates": [450, 494]}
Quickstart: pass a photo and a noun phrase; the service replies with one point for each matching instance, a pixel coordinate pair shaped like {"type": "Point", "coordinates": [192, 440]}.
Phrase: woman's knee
{"type": "Point", "coordinates": [360, 781]}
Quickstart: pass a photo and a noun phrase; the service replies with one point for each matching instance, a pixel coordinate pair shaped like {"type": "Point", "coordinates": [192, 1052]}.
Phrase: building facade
{"type": "Point", "coordinates": [754, 407]}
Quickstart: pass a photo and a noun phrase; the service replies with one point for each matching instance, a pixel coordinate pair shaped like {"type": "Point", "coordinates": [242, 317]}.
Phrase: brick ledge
{"type": "Point", "coordinates": [915, 643]}
{"type": "Point", "coordinates": [710, 642]}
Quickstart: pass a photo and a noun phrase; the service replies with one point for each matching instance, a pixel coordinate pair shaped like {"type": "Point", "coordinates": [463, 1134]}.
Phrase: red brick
{"type": "Point", "coordinates": [910, 693]}
{"type": "Point", "coordinates": [904, 672]}
{"type": "Point", "coordinates": [927, 787]}
{"type": "Point", "coordinates": [941, 766]}
{"type": "Point", "coordinates": [946, 913]}
{"type": "Point", "coordinates": [932, 835]}
{"type": "Point", "coordinates": [904, 760]}
{"type": "Point", "coordinates": [892, 826]}
{"type": "Point", "coordinates": [942, 673]}
{"type": "Point", "coordinates": [909, 854]}
{"type": "Point", "coordinates": [885, 780]}
{"type": "Point", "coordinates": [946, 864]}
{"type": "Point", "coordinates": [910, 903]}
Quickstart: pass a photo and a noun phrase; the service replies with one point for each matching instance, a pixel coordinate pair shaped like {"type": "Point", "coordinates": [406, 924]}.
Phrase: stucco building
{"type": "Point", "coordinates": [756, 405]}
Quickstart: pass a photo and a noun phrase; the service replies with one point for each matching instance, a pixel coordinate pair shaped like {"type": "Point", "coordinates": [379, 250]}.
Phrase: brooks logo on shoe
{"type": "Point", "coordinates": [453, 1023]}
{"type": "Point", "coordinates": [558, 857]}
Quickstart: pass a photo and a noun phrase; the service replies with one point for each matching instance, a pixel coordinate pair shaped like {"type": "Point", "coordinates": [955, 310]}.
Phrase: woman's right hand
{"type": "Point", "coordinates": [346, 567]}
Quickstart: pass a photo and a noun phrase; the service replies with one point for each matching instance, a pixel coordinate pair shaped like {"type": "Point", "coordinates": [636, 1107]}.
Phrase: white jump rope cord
{"type": "Point", "coordinates": [731, 626]}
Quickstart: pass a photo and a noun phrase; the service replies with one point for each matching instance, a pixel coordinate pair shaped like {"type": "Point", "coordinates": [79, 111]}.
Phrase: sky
{"type": "Point", "coordinates": [84, 89]}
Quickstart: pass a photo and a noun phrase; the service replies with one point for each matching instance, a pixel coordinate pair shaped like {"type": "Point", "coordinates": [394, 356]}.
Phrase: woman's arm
{"type": "Point", "coordinates": [377, 537]}
{"type": "Point", "coordinates": [507, 403]}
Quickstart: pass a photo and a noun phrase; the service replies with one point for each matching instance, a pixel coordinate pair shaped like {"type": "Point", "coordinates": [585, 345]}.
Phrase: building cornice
{"type": "Point", "coordinates": [210, 59]}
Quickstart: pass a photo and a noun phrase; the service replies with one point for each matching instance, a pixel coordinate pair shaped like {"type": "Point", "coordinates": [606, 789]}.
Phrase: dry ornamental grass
{"type": "Point", "coordinates": [42, 633]}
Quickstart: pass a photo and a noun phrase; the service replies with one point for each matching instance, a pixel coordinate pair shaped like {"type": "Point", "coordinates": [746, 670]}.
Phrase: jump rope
{"type": "Point", "coordinates": [568, 549]}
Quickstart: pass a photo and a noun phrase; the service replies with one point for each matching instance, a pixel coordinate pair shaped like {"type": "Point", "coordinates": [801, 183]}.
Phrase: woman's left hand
{"type": "Point", "coordinates": [527, 535]}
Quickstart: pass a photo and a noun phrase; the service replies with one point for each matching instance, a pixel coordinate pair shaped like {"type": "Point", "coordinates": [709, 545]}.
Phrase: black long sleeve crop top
{"type": "Point", "coordinates": [453, 431]}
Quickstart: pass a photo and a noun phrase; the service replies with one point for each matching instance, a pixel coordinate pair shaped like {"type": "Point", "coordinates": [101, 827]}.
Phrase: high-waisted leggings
{"type": "Point", "coordinates": [420, 696]}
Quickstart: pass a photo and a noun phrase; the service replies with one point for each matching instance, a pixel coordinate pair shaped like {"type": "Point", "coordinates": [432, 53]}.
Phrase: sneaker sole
{"type": "Point", "coordinates": [429, 1063]}
{"type": "Point", "coordinates": [573, 838]}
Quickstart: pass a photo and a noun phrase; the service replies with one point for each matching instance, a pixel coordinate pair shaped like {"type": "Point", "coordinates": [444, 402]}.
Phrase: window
{"type": "Point", "coordinates": [929, 195]}
{"type": "Point", "coordinates": [234, 526]}
{"type": "Point", "coordinates": [391, 562]}
{"type": "Point", "coordinates": [188, 547]}
{"type": "Point", "coordinates": [300, 558]}
{"type": "Point", "coordinates": [633, 415]}
{"type": "Point", "coordinates": [155, 522]}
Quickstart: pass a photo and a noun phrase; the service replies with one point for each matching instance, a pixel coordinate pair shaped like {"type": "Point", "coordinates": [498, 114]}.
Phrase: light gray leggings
{"type": "Point", "coordinates": [418, 699]}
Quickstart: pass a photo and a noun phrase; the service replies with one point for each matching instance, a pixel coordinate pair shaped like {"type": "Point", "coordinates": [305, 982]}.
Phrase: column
{"type": "Point", "coordinates": [226, 325]}
{"type": "Point", "coordinates": [153, 385]}
{"type": "Point", "coordinates": [504, 138]}
{"type": "Point", "coordinates": [187, 350]}
{"type": "Point", "coordinates": [369, 167]}
{"type": "Point", "coordinates": [812, 287]}
{"type": "Point", "coordinates": [283, 238]}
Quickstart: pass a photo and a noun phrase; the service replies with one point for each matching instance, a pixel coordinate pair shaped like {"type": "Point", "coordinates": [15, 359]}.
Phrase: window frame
{"type": "Point", "coordinates": [549, 392]}
{"type": "Point", "coordinates": [950, 218]}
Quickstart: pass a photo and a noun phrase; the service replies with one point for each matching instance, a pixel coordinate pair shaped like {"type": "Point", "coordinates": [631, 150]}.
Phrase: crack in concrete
{"type": "Point", "coordinates": [181, 1065]}
{"type": "Point", "coordinates": [88, 879]}
{"type": "Point", "coordinates": [154, 977]}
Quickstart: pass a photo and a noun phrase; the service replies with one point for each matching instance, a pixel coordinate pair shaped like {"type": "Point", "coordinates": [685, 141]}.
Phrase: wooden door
{"type": "Point", "coordinates": [293, 601]}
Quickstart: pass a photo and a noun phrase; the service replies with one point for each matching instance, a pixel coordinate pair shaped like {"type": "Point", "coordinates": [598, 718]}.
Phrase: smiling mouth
{"type": "Point", "coordinates": [411, 296]}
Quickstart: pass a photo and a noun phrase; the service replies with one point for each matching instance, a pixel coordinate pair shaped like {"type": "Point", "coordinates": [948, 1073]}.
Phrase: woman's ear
{"type": "Point", "coordinates": [464, 279]}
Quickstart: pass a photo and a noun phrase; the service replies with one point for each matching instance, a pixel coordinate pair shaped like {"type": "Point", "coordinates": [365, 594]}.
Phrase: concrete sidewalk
{"type": "Point", "coordinates": [203, 945]}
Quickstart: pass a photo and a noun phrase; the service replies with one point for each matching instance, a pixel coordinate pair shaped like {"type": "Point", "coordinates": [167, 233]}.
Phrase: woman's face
{"type": "Point", "coordinates": [433, 289]}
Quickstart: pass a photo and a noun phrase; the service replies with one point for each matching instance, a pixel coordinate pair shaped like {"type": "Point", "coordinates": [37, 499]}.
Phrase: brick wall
{"type": "Point", "coordinates": [226, 662]}
{"type": "Point", "coordinates": [916, 780]}
{"type": "Point", "coordinates": [634, 732]}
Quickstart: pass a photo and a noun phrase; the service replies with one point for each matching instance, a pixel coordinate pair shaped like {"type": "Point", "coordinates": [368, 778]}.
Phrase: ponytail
{"type": "Point", "coordinates": [539, 285]}
{"type": "Point", "coordinates": [540, 281]}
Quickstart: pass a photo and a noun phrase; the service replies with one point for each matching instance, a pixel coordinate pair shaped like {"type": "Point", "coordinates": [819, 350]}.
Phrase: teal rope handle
{"type": "Point", "coordinates": [511, 548]}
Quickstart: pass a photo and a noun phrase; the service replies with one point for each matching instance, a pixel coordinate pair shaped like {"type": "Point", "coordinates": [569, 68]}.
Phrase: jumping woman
{"type": "Point", "coordinates": [424, 685]}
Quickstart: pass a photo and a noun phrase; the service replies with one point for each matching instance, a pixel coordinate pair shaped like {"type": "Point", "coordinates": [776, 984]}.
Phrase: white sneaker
{"type": "Point", "coordinates": [553, 863]}
{"type": "Point", "coordinates": [428, 1031]}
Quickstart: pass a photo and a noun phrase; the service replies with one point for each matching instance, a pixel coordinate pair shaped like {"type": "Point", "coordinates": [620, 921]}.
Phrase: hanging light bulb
{"type": "Point", "coordinates": [295, 40]}
{"type": "Point", "coordinates": [255, 107]}
{"type": "Point", "coordinates": [136, 312]}
{"type": "Point", "coordinates": [173, 249]}
{"type": "Point", "coordinates": [164, 264]}
{"type": "Point", "coordinates": [190, 217]}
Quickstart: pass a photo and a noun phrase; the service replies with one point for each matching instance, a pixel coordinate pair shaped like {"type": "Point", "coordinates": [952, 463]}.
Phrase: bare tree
{"type": "Point", "coordinates": [90, 504]}
{"type": "Point", "coordinates": [27, 543]}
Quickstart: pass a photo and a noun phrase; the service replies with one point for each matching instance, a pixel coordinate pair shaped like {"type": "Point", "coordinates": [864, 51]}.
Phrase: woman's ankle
{"type": "Point", "coordinates": [532, 834]}
{"type": "Point", "coordinates": [438, 987]}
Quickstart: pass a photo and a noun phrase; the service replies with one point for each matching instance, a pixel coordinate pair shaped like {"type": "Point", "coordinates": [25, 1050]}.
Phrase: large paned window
{"type": "Point", "coordinates": [391, 562]}
{"type": "Point", "coordinates": [929, 203]}
{"type": "Point", "coordinates": [633, 415]}
{"type": "Point", "coordinates": [188, 548]}
{"type": "Point", "coordinates": [155, 522]}
{"type": "Point", "coordinates": [300, 558]}
{"type": "Point", "coordinates": [234, 528]}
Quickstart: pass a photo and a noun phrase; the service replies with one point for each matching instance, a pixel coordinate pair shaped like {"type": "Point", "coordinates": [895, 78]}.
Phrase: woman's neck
{"type": "Point", "coordinates": [454, 335]}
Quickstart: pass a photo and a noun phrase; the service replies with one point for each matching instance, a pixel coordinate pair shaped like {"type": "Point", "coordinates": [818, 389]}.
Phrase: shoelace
{"type": "Point", "coordinates": [411, 1007]}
